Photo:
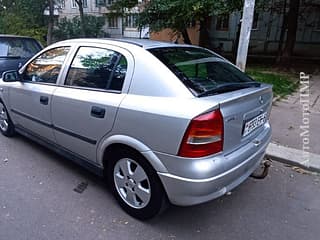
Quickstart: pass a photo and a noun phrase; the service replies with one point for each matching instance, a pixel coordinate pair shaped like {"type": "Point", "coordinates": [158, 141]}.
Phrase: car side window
{"type": "Point", "coordinates": [46, 67]}
{"type": "Point", "coordinates": [97, 68]}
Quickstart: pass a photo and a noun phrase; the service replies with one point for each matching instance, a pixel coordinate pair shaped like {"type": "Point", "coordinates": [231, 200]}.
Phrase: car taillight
{"type": "Point", "coordinates": [204, 136]}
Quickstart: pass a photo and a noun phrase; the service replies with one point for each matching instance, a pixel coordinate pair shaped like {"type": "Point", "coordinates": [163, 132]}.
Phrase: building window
{"type": "Point", "coordinates": [110, 2]}
{"type": "Point", "coordinates": [62, 4]}
{"type": "Point", "coordinates": [100, 3]}
{"type": "Point", "coordinates": [255, 21]}
{"type": "Point", "coordinates": [113, 22]}
{"type": "Point", "coordinates": [75, 5]}
{"type": "Point", "coordinates": [131, 21]}
{"type": "Point", "coordinates": [223, 22]}
{"type": "Point", "coordinates": [84, 3]}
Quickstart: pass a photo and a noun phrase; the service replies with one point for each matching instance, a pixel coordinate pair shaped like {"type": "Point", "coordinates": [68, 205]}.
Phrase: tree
{"type": "Point", "coordinates": [296, 10]}
{"type": "Point", "coordinates": [292, 28]}
{"type": "Point", "coordinates": [50, 21]}
{"type": "Point", "coordinates": [71, 28]}
{"type": "Point", "coordinates": [178, 14]}
{"type": "Point", "coordinates": [16, 18]}
{"type": "Point", "coordinates": [82, 23]}
{"type": "Point", "coordinates": [120, 5]}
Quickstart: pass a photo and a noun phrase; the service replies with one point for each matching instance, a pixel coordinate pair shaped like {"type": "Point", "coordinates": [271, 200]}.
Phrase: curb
{"type": "Point", "coordinates": [295, 157]}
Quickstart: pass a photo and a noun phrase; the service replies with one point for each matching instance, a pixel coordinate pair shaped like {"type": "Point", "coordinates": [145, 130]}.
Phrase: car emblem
{"type": "Point", "coordinates": [261, 101]}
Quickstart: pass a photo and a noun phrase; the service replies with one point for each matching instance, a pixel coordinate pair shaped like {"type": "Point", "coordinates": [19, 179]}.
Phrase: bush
{"type": "Point", "coordinates": [71, 28]}
{"type": "Point", "coordinates": [15, 24]}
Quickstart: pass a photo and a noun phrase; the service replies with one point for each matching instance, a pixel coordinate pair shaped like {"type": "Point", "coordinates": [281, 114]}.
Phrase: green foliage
{"type": "Point", "coordinates": [23, 17]}
{"type": "Point", "coordinates": [177, 14]}
{"type": "Point", "coordinates": [120, 8]}
{"type": "Point", "coordinates": [13, 24]}
{"type": "Point", "coordinates": [94, 62]}
{"type": "Point", "coordinates": [283, 84]}
{"type": "Point", "coordinates": [71, 28]}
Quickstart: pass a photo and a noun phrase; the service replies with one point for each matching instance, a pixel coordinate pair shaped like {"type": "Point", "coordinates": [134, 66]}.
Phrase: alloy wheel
{"type": "Point", "coordinates": [132, 183]}
{"type": "Point", "coordinates": [4, 120]}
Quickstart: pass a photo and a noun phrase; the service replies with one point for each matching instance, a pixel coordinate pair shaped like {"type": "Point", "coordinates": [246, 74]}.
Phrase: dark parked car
{"type": "Point", "coordinates": [15, 51]}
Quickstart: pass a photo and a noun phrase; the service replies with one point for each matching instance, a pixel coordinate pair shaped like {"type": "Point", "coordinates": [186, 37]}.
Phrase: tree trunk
{"type": "Point", "coordinates": [236, 43]}
{"type": "Point", "coordinates": [204, 38]}
{"type": "Point", "coordinates": [270, 22]}
{"type": "Point", "coordinates": [51, 22]}
{"type": "Point", "coordinates": [293, 16]}
{"type": "Point", "coordinates": [185, 36]}
{"type": "Point", "coordinates": [283, 30]}
{"type": "Point", "coordinates": [82, 24]}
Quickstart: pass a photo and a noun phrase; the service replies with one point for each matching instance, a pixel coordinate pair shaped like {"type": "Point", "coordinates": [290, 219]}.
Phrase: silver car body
{"type": "Point", "coordinates": [150, 115]}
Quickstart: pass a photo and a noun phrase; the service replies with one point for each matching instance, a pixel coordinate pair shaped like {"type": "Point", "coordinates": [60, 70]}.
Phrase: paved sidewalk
{"type": "Point", "coordinates": [292, 156]}
{"type": "Point", "coordinates": [287, 119]}
{"type": "Point", "coordinates": [295, 122]}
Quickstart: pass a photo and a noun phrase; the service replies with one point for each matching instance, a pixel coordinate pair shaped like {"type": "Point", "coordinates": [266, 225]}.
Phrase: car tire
{"type": "Point", "coordinates": [6, 125]}
{"type": "Point", "coordinates": [135, 185]}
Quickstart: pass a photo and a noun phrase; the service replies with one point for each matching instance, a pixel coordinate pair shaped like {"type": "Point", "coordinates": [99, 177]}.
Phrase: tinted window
{"type": "Point", "coordinates": [199, 69]}
{"type": "Point", "coordinates": [97, 68]}
{"type": "Point", "coordinates": [18, 47]}
{"type": "Point", "coordinates": [47, 66]}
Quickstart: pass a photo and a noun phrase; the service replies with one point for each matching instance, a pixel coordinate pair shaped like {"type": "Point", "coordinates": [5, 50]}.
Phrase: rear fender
{"type": "Point", "coordinates": [133, 143]}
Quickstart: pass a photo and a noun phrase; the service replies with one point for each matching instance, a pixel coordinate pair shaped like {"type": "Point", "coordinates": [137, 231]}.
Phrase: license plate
{"type": "Point", "coordinates": [254, 123]}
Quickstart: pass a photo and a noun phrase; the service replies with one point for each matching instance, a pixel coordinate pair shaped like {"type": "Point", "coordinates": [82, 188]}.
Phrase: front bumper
{"type": "Point", "coordinates": [185, 190]}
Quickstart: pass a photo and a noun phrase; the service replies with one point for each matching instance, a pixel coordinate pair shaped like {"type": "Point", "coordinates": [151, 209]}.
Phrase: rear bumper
{"type": "Point", "coordinates": [185, 190]}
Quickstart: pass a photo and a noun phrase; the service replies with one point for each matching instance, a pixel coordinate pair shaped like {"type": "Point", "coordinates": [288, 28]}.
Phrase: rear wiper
{"type": "Point", "coordinates": [228, 87]}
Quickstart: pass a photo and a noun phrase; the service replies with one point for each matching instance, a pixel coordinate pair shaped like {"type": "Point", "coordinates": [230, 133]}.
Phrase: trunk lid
{"type": "Point", "coordinates": [238, 108]}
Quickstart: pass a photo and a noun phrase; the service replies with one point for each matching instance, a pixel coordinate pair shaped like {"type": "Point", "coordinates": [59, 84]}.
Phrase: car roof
{"type": "Point", "coordinates": [143, 43]}
{"type": "Point", "coordinates": [13, 36]}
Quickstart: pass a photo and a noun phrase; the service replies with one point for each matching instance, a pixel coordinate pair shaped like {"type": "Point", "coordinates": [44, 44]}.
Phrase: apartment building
{"type": "Point", "coordinates": [115, 26]}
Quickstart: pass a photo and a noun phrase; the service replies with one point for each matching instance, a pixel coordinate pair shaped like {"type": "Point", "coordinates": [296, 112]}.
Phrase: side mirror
{"type": "Point", "coordinates": [11, 76]}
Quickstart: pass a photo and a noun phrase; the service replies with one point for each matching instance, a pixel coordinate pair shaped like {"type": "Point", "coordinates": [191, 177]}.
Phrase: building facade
{"type": "Point", "coordinates": [115, 26]}
{"type": "Point", "coordinates": [266, 33]}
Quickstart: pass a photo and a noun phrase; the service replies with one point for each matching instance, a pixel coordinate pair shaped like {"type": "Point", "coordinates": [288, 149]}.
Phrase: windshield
{"type": "Point", "coordinates": [201, 70]}
{"type": "Point", "coordinates": [18, 47]}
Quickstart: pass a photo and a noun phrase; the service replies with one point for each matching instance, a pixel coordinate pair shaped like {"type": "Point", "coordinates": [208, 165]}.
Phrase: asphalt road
{"type": "Point", "coordinates": [38, 201]}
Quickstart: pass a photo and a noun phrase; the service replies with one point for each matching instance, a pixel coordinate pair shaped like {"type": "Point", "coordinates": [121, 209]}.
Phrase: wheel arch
{"type": "Point", "coordinates": [114, 143]}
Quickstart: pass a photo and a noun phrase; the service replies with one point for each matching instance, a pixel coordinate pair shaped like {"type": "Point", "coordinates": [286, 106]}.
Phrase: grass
{"type": "Point", "coordinates": [283, 83]}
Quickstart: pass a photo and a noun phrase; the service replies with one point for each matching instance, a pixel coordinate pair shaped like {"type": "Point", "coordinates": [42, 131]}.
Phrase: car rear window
{"type": "Point", "coordinates": [200, 70]}
{"type": "Point", "coordinates": [18, 47]}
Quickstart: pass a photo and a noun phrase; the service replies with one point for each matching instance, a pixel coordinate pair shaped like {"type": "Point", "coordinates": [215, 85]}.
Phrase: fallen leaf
{"type": "Point", "coordinates": [299, 170]}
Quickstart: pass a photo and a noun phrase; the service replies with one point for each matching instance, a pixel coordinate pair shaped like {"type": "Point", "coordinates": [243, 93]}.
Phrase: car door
{"type": "Point", "coordinates": [85, 106]}
{"type": "Point", "coordinates": [30, 99]}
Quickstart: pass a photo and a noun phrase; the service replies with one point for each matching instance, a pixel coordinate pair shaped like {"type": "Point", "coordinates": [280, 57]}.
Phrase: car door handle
{"type": "Point", "coordinates": [44, 100]}
{"type": "Point", "coordinates": [98, 112]}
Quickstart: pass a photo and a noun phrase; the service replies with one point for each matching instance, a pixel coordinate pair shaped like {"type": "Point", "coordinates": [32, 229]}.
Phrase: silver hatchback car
{"type": "Point", "coordinates": [161, 121]}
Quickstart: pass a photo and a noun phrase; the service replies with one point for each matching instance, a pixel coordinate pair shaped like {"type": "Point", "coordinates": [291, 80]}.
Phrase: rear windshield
{"type": "Point", "coordinates": [200, 70]}
{"type": "Point", "coordinates": [18, 47]}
